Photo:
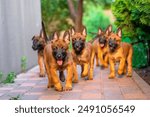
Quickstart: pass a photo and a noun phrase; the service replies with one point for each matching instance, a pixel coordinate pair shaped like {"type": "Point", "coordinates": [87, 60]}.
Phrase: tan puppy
{"type": "Point", "coordinates": [58, 57]}
{"type": "Point", "coordinates": [39, 43]}
{"type": "Point", "coordinates": [100, 47]}
{"type": "Point", "coordinates": [119, 51]}
{"type": "Point", "coordinates": [81, 53]}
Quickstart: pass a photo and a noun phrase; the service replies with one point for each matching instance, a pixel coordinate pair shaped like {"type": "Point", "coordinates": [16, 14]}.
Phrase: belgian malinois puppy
{"type": "Point", "coordinates": [81, 53]}
{"type": "Point", "coordinates": [39, 43]}
{"type": "Point", "coordinates": [100, 47]}
{"type": "Point", "coordinates": [119, 51]}
{"type": "Point", "coordinates": [58, 57]}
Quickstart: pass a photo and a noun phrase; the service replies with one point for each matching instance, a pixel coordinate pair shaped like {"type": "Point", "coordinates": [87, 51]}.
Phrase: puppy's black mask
{"type": "Point", "coordinates": [78, 45]}
{"type": "Point", "coordinates": [37, 45]}
{"type": "Point", "coordinates": [60, 55]}
{"type": "Point", "coordinates": [102, 41]}
{"type": "Point", "coordinates": [112, 45]}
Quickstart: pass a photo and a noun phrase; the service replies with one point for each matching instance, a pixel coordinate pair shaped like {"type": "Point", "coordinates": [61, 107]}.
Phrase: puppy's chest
{"type": "Point", "coordinates": [103, 50]}
{"type": "Point", "coordinates": [78, 58]}
{"type": "Point", "coordinates": [117, 55]}
{"type": "Point", "coordinates": [40, 52]}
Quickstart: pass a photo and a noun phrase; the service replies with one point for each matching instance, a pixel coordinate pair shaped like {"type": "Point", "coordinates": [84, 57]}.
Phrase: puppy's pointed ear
{"type": "Point", "coordinates": [108, 30]}
{"type": "Point", "coordinates": [84, 32]}
{"type": "Point", "coordinates": [55, 35]}
{"type": "Point", "coordinates": [66, 37]}
{"type": "Point", "coordinates": [33, 37]}
{"type": "Point", "coordinates": [41, 32]}
{"type": "Point", "coordinates": [119, 32]}
{"type": "Point", "coordinates": [99, 31]}
{"type": "Point", "coordinates": [72, 31]}
{"type": "Point", "coordinates": [42, 35]}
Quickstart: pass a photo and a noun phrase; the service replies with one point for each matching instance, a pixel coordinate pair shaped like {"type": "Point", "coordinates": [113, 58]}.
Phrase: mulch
{"type": "Point", "coordinates": [144, 73]}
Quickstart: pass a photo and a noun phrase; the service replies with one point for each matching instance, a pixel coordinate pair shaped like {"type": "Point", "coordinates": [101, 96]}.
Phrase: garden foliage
{"type": "Point", "coordinates": [95, 18]}
{"type": "Point", "coordinates": [134, 18]}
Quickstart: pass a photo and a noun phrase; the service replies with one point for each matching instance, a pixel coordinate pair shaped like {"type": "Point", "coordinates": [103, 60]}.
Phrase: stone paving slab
{"type": "Point", "coordinates": [29, 86]}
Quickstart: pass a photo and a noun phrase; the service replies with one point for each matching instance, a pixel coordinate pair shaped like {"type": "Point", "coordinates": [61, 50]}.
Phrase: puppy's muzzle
{"type": "Point", "coordinates": [102, 42]}
{"type": "Point", "coordinates": [78, 46]}
{"type": "Point", "coordinates": [60, 56]}
{"type": "Point", "coordinates": [112, 45]}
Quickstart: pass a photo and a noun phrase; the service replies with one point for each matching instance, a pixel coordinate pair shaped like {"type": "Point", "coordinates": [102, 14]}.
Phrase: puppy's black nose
{"type": "Point", "coordinates": [77, 46]}
{"type": "Point", "coordinates": [58, 56]}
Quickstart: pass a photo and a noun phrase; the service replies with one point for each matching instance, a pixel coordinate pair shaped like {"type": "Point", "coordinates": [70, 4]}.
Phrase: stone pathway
{"type": "Point", "coordinates": [29, 86]}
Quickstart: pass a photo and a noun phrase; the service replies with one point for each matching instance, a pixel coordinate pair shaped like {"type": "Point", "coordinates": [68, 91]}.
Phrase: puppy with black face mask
{"type": "Point", "coordinates": [100, 47]}
{"type": "Point", "coordinates": [119, 52]}
{"type": "Point", "coordinates": [81, 52]}
{"type": "Point", "coordinates": [58, 57]}
{"type": "Point", "coordinates": [38, 45]}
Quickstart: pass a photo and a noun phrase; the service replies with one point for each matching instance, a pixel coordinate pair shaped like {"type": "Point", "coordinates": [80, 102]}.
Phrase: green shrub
{"type": "Point", "coordinates": [10, 78]}
{"type": "Point", "coordinates": [93, 19]}
{"type": "Point", "coordinates": [23, 63]}
{"type": "Point", "coordinates": [134, 18]}
{"type": "Point", "coordinates": [1, 75]}
{"type": "Point", "coordinates": [55, 14]}
{"type": "Point", "coordinates": [15, 97]}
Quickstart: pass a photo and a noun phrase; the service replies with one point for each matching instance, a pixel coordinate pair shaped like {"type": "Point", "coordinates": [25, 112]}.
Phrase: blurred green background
{"type": "Point", "coordinates": [133, 16]}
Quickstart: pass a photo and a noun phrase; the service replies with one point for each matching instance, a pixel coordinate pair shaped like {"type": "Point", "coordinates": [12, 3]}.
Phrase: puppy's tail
{"type": "Point", "coordinates": [44, 32]}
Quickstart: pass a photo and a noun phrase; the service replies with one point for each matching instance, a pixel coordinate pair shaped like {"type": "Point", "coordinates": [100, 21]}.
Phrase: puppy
{"type": "Point", "coordinates": [81, 53]}
{"type": "Point", "coordinates": [38, 45]}
{"type": "Point", "coordinates": [58, 57]}
{"type": "Point", "coordinates": [119, 51]}
{"type": "Point", "coordinates": [100, 48]}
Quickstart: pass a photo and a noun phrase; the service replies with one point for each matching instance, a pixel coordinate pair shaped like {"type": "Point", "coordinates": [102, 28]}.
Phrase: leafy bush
{"type": "Point", "coordinates": [1, 75]}
{"type": "Point", "coordinates": [134, 18]}
{"type": "Point", "coordinates": [55, 14]}
{"type": "Point", "coordinates": [139, 53]}
{"type": "Point", "coordinates": [95, 18]}
{"type": "Point", "coordinates": [15, 97]}
{"type": "Point", "coordinates": [10, 77]}
{"type": "Point", "coordinates": [23, 63]}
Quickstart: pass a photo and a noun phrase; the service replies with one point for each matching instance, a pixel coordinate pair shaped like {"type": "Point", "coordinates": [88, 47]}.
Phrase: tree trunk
{"type": "Point", "coordinates": [77, 14]}
{"type": "Point", "coordinates": [72, 10]}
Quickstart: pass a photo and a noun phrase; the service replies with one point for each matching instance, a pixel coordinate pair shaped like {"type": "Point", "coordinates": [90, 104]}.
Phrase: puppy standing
{"type": "Point", "coordinates": [81, 53]}
{"type": "Point", "coordinates": [119, 51]}
{"type": "Point", "coordinates": [39, 43]}
{"type": "Point", "coordinates": [58, 57]}
{"type": "Point", "coordinates": [100, 48]}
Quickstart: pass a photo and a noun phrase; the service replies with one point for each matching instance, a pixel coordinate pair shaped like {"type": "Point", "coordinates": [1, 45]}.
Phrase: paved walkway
{"type": "Point", "coordinates": [28, 86]}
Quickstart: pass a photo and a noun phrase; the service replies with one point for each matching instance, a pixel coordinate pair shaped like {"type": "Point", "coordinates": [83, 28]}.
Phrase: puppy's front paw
{"type": "Point", "coordinates": [50, 86]}
{"type": "Point", "coordinates": [75, 81]}
{"type": "Point", "coordinates": [90, 76]}
{"type": "Point", "coordinates": [68, 88]}
{"type": "Point", "coordinates": [58, 87]}
{"type": "Point", "coordinates": [42, 74]}
{"type": "Point", "coordinates": [120, 72]}
{"type": "Point", "coordinates": [129, 74]}
{"type": "Point", "coordinates": [84, 74]}
{"type": "Point", "coordinates": [105, 65]}
{"type": "Point", "coordinates": [112, 75]}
